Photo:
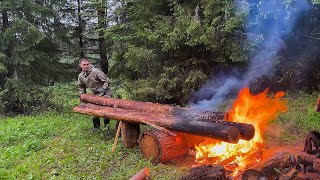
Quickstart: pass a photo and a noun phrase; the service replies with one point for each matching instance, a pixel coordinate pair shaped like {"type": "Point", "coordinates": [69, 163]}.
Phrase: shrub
{"type": "Point", "coordinates": [21, 97]}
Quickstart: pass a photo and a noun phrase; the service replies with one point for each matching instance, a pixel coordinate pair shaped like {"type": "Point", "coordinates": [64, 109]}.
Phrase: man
{"type": "Point", "coordinates": [97, 81]}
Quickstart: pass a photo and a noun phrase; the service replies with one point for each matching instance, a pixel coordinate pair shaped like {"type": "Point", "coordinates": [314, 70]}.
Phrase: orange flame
{"type": "Point", "coordinates": [257, 110]}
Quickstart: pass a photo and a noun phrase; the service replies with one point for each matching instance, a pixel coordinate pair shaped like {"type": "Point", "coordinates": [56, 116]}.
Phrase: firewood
{"type": "Point", "coordinates": [274, 166]}
{"type": "Point", "coordinates": [313, 139]}
{"type": "Point", "coordinates": [204, 172]}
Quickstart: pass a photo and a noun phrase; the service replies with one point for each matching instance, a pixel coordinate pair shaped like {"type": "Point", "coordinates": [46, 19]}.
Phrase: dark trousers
{"type": "Point", "coordinates": [96, 122]}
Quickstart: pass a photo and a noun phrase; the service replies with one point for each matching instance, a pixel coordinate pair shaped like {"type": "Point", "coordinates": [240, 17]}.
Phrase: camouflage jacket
{"type": "Point", "coordinates": [95, 79]}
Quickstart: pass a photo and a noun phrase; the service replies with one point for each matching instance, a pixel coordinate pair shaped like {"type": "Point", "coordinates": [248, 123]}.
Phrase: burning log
{"type": "Point", "coordinates": [161, 147]}
{"type": "Point", "coordinates": [214, 130]}
{"type": "Point", "coordinates": [152, 107]}
{"type": "Point", "coordinates": [141, 175]}
{"type": "Point", "coordinates": [246, 131]}
{"type": "Point", "coordinates": [272, 168]}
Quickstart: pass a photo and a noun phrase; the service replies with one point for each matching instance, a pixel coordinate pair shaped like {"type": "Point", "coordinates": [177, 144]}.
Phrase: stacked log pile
{"type": "Point", "coordinates": [162, 117]}
{"type": "Point", "coordinates": [168, 120]}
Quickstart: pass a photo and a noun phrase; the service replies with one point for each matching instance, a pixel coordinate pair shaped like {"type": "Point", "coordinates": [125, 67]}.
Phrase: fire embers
{"type": "Point", "coordinates": [312, 142]}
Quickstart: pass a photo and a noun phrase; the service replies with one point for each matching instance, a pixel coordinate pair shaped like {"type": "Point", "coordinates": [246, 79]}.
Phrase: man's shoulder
{"type": "Point", "coordinates": [96, 70]}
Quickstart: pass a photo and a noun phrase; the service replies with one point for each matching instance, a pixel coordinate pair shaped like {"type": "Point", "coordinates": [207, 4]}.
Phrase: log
{"type": "Point", "coordinates": [130, 134]}
{"type": "Point", "coordinates": [175, 123]}
{"type": "Point", "coordinates": [141, 175]}
{"type": "Point", "coordinates": [246, 131]}
{"type": "Point", "coordinates": [160, 147]}
{"type": "Point", "coordinates": [206, 172]}
{"type": "Point", "coordinates": [272, 168]}
{"type": "Point", "coordinates": [152, 107]}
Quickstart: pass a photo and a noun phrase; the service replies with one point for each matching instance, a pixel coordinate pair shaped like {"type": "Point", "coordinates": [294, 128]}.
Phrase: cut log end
{"type": "Point", "coordinates": [160, 147]}
{"type": "Point", "coordinates": [234, 135]}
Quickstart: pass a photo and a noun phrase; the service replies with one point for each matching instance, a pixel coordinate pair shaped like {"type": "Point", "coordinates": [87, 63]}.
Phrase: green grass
{"type": "Point", "coordinates": [300, 118]}
{"type": "Point", "coordinates": [59, 144]}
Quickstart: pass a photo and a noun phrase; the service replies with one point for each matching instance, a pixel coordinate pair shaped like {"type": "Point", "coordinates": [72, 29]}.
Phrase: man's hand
{"type": "Point", "coordinates": [103, 92]}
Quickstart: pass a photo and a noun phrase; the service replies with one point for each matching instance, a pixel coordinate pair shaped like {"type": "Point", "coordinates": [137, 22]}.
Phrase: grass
{"type": "Point", "coordinates": [59, 144]}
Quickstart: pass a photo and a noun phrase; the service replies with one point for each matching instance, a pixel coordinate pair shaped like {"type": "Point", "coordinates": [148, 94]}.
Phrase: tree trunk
{"type": "Point", "coordinates": [214, 130]}
{"type": "Point", "coordinates": [5, 21]}
{"type": "Point", "coordinates": [81, 27]}
{"type": "Point", "coordinates": [159, 147]}
{"type": "Point", "coordinates": [102, 25]}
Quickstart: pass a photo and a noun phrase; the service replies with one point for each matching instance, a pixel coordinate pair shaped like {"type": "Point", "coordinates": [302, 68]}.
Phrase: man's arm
{"type": "Point", "coordinates": [104, 79]}
{"type": "Point", "coordinates": [81, 86]}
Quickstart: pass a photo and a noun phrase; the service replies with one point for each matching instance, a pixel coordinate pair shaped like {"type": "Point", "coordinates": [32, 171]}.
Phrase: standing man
{"type": "Point", "coordinates": [97, 81]}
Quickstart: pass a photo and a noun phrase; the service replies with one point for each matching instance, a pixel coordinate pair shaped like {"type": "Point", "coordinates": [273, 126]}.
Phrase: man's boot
{"type": "Point", "coordinates": [96, 124]}
{"type": "Point", "coordinates": [106, 122]}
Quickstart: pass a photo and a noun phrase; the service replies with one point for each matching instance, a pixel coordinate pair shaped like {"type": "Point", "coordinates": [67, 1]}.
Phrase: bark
{"type": "Point", "coordinates": [141, 175]}
{"type": "Point", "coordinates": [102, 25]}
{"type": "Point", "coordinates": [247, 131]}
{"type": "Point", "coordinates": [214, 130]}
{"type": "Point", "coordinates": [159, 147]}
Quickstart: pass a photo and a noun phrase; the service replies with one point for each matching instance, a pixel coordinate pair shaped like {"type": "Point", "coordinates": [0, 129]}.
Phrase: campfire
{"type": "Point", "coordinates": [226, 143]}
{"type": "Point", "coordinates": [257, 110]}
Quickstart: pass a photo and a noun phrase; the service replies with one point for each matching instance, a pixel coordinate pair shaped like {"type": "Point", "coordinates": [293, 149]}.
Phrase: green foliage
{"type": "Point", "coordinates": [18, 97]}
{"type": "Point", "coordinates": [64, 96]}
{"type": "Point", "coordinates": [163, 48]}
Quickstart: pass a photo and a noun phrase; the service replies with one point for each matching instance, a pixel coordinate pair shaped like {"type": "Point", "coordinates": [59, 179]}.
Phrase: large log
{"type": "Point", "coordinates": [160, 147]}
{"type": "Point", "coordinates": [152, 107]}
{"type": "Point", "coordinates": [247, 131]}
{"type": "Point", "coordinates": [176, 123]}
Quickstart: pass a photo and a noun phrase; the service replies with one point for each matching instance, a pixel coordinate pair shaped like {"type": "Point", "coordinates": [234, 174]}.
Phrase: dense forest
{"type": "Point", "coordinates": [173, 51]}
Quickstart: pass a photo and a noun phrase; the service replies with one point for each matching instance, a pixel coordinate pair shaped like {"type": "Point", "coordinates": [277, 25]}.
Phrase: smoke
{"type": "Point", "coordinates": [269, 23]}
